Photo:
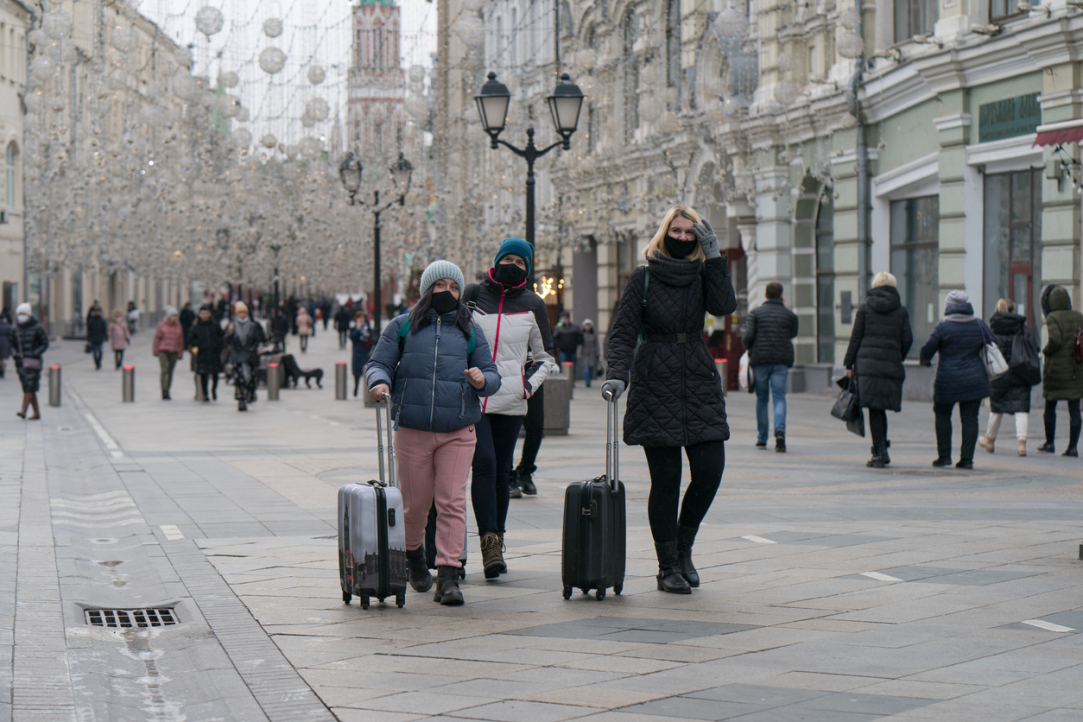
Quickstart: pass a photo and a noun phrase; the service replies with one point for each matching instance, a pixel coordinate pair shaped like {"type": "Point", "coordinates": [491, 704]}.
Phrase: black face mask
{"type": "Point", "coordinates": [680, 249]}
{"type": "Point", "coordinates": [510, 275]}
{"type": "Point", "coordinates": [443, 302]}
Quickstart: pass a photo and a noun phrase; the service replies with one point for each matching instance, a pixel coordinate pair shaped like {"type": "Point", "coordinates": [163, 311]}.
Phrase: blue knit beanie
{"type": "Point", "coordinates": [441, 269]}
{"type": "Point", "coordinates": [517, 247]}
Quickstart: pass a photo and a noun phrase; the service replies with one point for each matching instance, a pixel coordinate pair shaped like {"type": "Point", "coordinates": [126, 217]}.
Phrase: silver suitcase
{"type": "Point", "coordinates": [371, 530]}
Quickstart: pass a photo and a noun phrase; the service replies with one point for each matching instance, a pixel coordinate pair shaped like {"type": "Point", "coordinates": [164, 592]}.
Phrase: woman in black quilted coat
{"type": "Point", "coordinates": [675, 395]}
{"type": "Point", "coordinates": [1011, 391]}
{"type": "Point", "coordinates": [29, 342]}
{"type": "Point", "coordinates": [878, 344]}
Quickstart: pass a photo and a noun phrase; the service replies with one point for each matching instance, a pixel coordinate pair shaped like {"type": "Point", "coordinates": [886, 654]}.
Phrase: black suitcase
{"type": "Point", "coordinates": [592, 550]}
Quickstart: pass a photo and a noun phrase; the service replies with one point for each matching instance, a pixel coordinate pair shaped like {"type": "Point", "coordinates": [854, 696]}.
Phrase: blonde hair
{"type": "Point", "coordinates": [1006, 305]}
{"type": "Point", "coordinates": [657, 246]}
{"type": "Point", "coordinates": [883, 278]}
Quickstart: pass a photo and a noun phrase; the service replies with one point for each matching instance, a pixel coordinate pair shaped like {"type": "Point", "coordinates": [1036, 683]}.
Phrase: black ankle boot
{"type": "Point", "coordinates": [686, 537]}
{"type": "Point", "coordinates": [447, 587]}
{"type": "Point", "coordinates": [418, 570]}
{"type": "Point", "coordinates": [669, 574]}
{"type": "Point", "coordinates": [878, 460]}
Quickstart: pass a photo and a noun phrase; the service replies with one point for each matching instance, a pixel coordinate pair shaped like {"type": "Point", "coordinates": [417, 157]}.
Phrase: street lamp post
{"type": "Point", "coordinates": [350, 174]}
{"type": "Point", "coordinates": [564, 105]}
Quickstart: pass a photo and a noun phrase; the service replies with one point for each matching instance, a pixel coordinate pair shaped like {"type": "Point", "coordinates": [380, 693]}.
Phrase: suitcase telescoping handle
{"type": "Point", "coordinates": [612, 440]}
{"type": "Point", "coordinates": [388, 477]}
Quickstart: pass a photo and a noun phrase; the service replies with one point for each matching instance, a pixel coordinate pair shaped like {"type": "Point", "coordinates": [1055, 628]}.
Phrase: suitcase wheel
{"type": "Point", "coordinates": [599, 595]}
{"type": "Point", "coordinates": [567, 592]}
{"type": "Point", "coordinates": [346, 597]}
{"type": "Point", "coordinates": [400, 600]}
{"type": "Point", "coordinates": [618, 589]}
{"type": "Point", "coordinates": [364, 602]}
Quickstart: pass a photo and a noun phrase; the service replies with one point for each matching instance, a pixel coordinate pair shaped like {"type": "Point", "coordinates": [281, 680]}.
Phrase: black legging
{"type": "Point", "coordinates": [968, 415]}
{"type": "Point", "coordinates": [203, 379]}
{"type": "Point", "coordinates": [534, 426]}
{"type": "Point", "coordinates": [496, 435]}
{"type": "Point", "coordinates": [706, 462]}
{"type": "Point", "coordinates": [878, 427]}
{"type": "Point", "coordinates": [1074, 421]}
{"type": "Point", "coordinates": [118, 357]}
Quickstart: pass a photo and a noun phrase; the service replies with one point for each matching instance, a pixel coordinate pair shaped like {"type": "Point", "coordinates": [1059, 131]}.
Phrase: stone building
{"type": "Point", "coordinates": [377, 85]}
{"type": "Point", "coordinates": [15, 19]}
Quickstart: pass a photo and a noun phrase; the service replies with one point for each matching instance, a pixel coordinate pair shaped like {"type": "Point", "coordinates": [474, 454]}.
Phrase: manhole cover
{"type": "Point", "coordinates": [130, 618]}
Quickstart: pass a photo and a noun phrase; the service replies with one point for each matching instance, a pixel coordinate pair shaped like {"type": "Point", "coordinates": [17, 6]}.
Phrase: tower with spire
{"type": "Point", "coordinates": [377, 85]}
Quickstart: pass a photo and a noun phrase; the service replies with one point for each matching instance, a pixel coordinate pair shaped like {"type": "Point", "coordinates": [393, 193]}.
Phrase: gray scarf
{"type": "Point", "coordinates": [675, 271]}
{"type": "Point", "coordinates": [960, 317]}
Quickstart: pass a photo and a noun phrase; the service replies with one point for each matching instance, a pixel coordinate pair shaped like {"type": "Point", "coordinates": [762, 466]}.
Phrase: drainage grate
{"type": "Point", "coordinates": [130, 618]}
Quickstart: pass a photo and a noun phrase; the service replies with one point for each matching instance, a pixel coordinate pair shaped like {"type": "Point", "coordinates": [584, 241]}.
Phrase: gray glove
{"type": "Point", "coordinates": [615, 387]}
{"type": "Point", "coordinates": [708, 241]}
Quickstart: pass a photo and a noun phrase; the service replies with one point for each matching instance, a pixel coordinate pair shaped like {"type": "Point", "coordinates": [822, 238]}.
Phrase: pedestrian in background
{"type": "Point", "coordinates": [29, 342]}
{"type": "Point", "coordinates": [168, 346]}
{"type": "Point", "coordinates": [768, 338]}
{"type": "Point", "coordinates": [675, 396]}
{"type": "Point", "coordinates": [187, 318]}
{"type": "Point", "coordinates": [5, 341]}
{"type": "Point", "coordinates": [304, 328]}
{"type": "Point", "coordinates": [280, 328]}
{"type": "Point", "coordinates": [342, 325]}
{"type": "Point", "coordinates": [961, 377]}
{"type": "Point", "coordinates": [1010, 392]}
{"type": "Point", "coordinates": [879, 342]}
{"type": "Point", "coordinates": [206, 344]}
{"type": "Point", "coordinates": [589, 351]}
{"type": "Point", "coordinates": [361, 342]}
{"type": "Point", "coordinates": [96, 334]}
{"type": "Point", "coordinates": [514, 317]}
{"type": "Point", "coordinates": [133, 317]}
{"type": "Point", "coordinates": [1062, 377]}
{"type": "Point", "coordinates": [438, 380]}
{"type": "Point", "coordinates": [119, 336]}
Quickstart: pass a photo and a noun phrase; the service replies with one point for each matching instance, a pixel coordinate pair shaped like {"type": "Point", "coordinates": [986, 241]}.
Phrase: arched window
{"type": "Point", "coordinates": [629, 30]}
{"type": "Point", "coordinates": [673, 44]}
{"type": "Point", "coordinates": [9, 176]}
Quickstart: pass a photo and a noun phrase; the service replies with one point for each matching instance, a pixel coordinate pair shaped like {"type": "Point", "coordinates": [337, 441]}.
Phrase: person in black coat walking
{"type": "Point", "coordinates": [960, 377]}
{"type": "Point", "coordinates": [187, 318]}
{"type": "Point", "coordinates": [675, 394]}
{"type": "Point", "coordinates": [768, 335]}
{"type": "Point", "coordinates": [879, 342]}
{"type": "Point", "coordinates": [29, 342]}
{"type": "Point", "coordinates": [205, 340]}
{"type": "Point", "coordinates": [1011, 391]}
{"type": "Point", "coordinates": [97, 333]}
{"type": "Point", "coordinates": [361, 339]}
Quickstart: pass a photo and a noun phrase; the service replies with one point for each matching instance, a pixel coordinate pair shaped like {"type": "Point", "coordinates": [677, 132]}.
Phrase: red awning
{"type": "Point", "coordinates": [1070, 131]}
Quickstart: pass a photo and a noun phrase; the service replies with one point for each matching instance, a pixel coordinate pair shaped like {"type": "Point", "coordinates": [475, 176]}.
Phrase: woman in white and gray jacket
{"type": "Point", "coordinates": [515, 323]}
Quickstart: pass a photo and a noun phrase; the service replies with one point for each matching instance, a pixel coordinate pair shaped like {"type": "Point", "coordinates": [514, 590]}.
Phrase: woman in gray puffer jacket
{"type": "Point", "coordinates": [436, 365]}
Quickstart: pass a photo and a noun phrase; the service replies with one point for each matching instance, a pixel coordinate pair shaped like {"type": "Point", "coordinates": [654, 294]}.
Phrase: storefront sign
{"type": "Point", "coordinates": [1009, 117]}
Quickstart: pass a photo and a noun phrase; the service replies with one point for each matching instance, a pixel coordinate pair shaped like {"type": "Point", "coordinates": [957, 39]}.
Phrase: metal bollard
{"type": "Point", "coordinates": [723, 368]}
{"type": "Point", "coordinates": [273, 382]}
{"type": "Point", "coordinates": [340, 381]}
{"type": "Point", "coordinates": [569, 373]}
{"type": "Point", "coordinates": [54, 386]}
{"type": "Point", "coordinates": [127, 384]}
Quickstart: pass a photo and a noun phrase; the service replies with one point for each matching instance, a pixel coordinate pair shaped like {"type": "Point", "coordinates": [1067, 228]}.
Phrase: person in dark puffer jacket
{"type": "Point", "coordinates": [437, 384]}
{"type": "Point", "coordinates": [768, 335]}
{"type": "Point", "coordinates": [960, 377]}
{"type": "Point", "coordinates": [878, 344]}
{"type": "Point", "coordinates": [1010, 392]}
{"type": "Point", "coordinates": [28, 341]}
{"type": "Point", "coordinates": [1061, 379]}
{"type": "Point", "coordinates": [675, 394]}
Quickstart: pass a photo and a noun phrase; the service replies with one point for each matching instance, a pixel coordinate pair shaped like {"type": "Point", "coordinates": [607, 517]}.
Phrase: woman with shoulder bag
{"type": "Point", "coordinates": [29, 342]}
{"type": "Point", "coordinates": [675, 394]}
{"type": "Point", "coordinates": [1010, 391]}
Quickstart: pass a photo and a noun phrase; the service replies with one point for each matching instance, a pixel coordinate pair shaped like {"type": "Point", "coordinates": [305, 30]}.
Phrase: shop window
{"type": "Point", "coordinates": [631, 76]}
{"type": "Point", "coordinates": [825, 280]}
{"type": "Point", "coordinates": [1012, 233]}
{"type": "Point", "coordinates": [1000, 9]}
{"type": "Point", "coordinates": [915, 240]}
{"type": "Point", "coordinates": [915, 17]}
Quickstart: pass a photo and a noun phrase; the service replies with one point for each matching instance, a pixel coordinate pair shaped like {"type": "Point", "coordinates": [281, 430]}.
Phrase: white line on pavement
{"type": "Point", "coordinates": [97, 525]}
{"type": "Point", "coordinates": [880, 577]}
{"type": "Point", "coordinates": [96, 516]}
{"type": "Point", "coordinates": [758, 539]}
{"type": "Point", "coordinates": [1047, 626]}
{"type": "Point", "coordinates": [172, 533]}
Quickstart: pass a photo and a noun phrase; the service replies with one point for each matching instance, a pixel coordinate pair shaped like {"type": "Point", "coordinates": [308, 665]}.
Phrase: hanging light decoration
{"type": "Point", "coordinates": [268, 140]}
{"type": "Point", "coordinates": [209, 21]}
{"type": "Point", "coordinates": [316, 75]}
{"type": "Point", "coordinates": [183, 57]}
{"type": "Point", "coordinates": [229, 79]}
{"type": "Point", "coordinates": [317, 109]}
{"type": "Point", "coordinates": [272, 27]}
{"type": "Point", "coordinates": [272, 60]}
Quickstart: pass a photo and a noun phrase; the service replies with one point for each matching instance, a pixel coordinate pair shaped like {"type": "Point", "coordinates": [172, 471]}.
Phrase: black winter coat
{"type": "Point", "coordinates": [961, 375]}
{"type": "Point", "coordinates": [1011, 394]}
{"type": "Point", "coordinates": [878, 344]}
{"type": "Point", "coordinates": [28, 340]}
{"type": "Point", "coordinates": [675, 394]}
{"type": "Point", "coordinates": [207, 337]}
{"type": "Point", "coordinates": [768, 330]}
{"type": "Point", "coordinates": [96, 330]}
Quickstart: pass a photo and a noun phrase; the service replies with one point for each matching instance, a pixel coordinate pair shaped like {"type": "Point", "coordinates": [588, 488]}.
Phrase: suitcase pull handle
{"type": "Point", "coordinates": [612, 440]}
{"type": "Point", "coordinates": [390, 517]}
{"type": "Point", "coordinates": [387, 475]}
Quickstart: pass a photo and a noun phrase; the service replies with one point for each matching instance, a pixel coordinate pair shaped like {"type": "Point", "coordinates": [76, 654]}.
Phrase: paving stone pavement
{"type": "Point", "coordinates": [830, 591]}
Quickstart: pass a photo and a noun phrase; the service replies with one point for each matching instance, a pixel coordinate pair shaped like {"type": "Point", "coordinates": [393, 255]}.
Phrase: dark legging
{"type": "Point", "coordinates": [706, 462]}
{"type": "Point", "coordinates": [118, 357]}
{"type": "Point", "coordinates": [304, 344]}
{"type": "Point", "coordinates": [534, 426]}
{"type": "Point", "coordinates": [356, 383]}
{"type": "Point", "coordinates": [493, 454]}
{"type": "Point", "coordinates": [203, 379]}
{"type": "Point", "coordinates": [1074, 421]}
{"type": "Point", "coordinates": [968, 415]}
{"type": "Point", "coordinates": [878, 427]}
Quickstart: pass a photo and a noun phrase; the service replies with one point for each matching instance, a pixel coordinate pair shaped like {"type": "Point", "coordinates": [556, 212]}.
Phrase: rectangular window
{"type": "Point", "coordinates": [915, 262]}
{"type": "Point", "coordinates": [825, 280]}
{"type": "Point", "coordinates": [915, 17]}
{"type": "Point", "coordinates": [1012, 234]}
{"type": "Point", "coordinates": [1000, 9]}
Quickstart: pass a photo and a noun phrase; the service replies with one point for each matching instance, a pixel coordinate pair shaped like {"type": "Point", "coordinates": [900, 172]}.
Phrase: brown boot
{"type": "Point", "coordinates": [1022, 447]}
{"type": "Point", "coordinates": [492, 556]}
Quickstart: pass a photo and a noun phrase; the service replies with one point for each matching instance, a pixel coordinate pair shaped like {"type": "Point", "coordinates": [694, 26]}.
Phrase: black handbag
{"type": "Point", "coordinates": [1025, 362]}
{"type": "Point", "coordinates": [847, 406]}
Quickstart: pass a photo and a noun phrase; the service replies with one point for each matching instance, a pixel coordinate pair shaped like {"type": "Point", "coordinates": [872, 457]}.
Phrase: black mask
{"type": "Point", "coordinates": [510, 275]}
{"type": "Point", "coordinates": [443, 302]}
{"type": "Point", "coordinates": [680, 249]}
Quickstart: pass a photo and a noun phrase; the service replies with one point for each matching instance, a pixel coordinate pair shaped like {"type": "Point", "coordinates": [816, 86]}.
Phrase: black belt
{"type": "Point", "coordinates": [669, 337]}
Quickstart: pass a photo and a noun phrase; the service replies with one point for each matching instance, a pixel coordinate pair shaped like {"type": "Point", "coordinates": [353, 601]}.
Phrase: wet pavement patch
{"type": "Point", "coordinates": [629, 629]}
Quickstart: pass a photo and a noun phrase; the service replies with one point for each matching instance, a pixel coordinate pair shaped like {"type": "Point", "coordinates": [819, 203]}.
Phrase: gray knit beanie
{"type": "Point", "coordinates": [956, 297]}
{"type": "Point", "coordinates": [441, 269]}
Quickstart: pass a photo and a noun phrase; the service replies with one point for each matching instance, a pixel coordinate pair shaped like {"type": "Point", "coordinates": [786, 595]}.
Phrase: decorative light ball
{"type": "Point", "coordinates": [209, 20]}
{"type": "Point", "coordinates": [268, 141]}
{"type": "Point", "coordinates": [786, 91]}
{"type": "Point", "coordinates": [851, 45]}
{"type": "Point", "coordinates": [416, 88]}
{"type": "Point", "coordinates": [850, 18]}
{"type": "Point", "coordinates": [785, 62]}
{"type": "Point", "coordinates": [124, 39]}
{"type": "Point", "coordinates": [272, 27]}
{"type": "Point", "coordinates": [316, 75]}
{"type": "Point", "coordinates": [227, 106]}
{"type": "Point", "coordinates": [308, 146]}
{"type": "Point", "coordinates": [229, 79]}
{"type": "Point", "coordinates": [307, 120]}
{"type": "Point", "coordinates": [470, 30]}
{"type": "Point", "coordinates": [183, 57]}
{"type": "Point", "coordinates": [317, 109]}
{"type": "Point", "coordinates": [43, 67]}
{"type": "Point", "coordinates": [272, 60]}
{"type": "Point", "coordinates": [416, 74]}
{"type": "Point", "coordinates": [240, 138]}
{"type": "Point", "coordinates": [418, 108]}
{"type": "Point", "coordinates": [57, 25]}
{"type": "Point", "coordinates": [242, 114]}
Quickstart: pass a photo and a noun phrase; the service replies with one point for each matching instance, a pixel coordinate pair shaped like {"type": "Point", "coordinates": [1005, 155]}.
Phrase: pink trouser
{"type": "Point", "coordinates": [435, 465]}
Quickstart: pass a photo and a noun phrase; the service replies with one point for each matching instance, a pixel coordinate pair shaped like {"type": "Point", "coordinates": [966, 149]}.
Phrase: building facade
{"type": "Point", "coordinates": [377, 84]}
{"type": "Point", "coordinates": [15, 18]}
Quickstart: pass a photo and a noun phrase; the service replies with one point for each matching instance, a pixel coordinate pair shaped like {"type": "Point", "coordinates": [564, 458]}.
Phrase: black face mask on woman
{"type": "Point", "coordinates": [510, 275]}
{"type": "Point", "coordinates": [680, 249]}
{"type": "Point", "coordinates": [444, 302]}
